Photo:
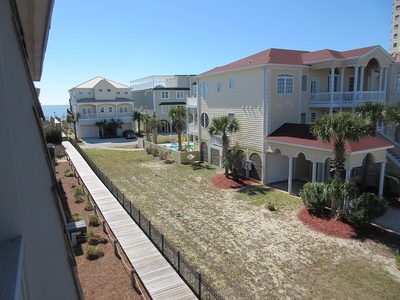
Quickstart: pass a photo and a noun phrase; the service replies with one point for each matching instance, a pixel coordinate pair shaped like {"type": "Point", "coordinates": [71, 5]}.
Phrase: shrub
{"type": "Point", "coordinates": [149, 150]}
{"type": "Point", "coordinates": [313, 196]}
{"type": "Point", "coordinates": [398, 261]}
{"type": "Point", "coordinates": [93, 252]}
{"type": "Point", "coordinates": [156, 152]}
{"type": "Point", "coordinates": [367, 207]}
{"type": "Point", "coordinates": [94, 220]}
{"type": "Point", "coordinates": [78, 194]}
{"type": "Point", "coordinates": [76, 217]}
{"type": "Point", "coordinates": [53, 135]}
{"type": "Point", "coordinates": [69, 173]}
{"type": "Point", "coordinates": [95, 239]}
{"type": "Point", "coordinates": [89, 206]}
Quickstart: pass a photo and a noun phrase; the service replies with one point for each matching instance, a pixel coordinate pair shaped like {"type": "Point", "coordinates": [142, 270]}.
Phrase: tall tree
{"type": "Point", "coordinates": [138, 117]}
{"type": "Point", "coordinates": [339, 128]}
{"type": "Point", "coordinates": [147, 127]}
{"type": "Point", "coordinates": [177, 114]}
{"type": "Point", "coordinates": [373, 113]}
{"type": "Point", "coordinates": [224, 127]}
{"type": "Point", "coordinates": [73, 118]}
{"type": "Point", "coordinates": [393, 118]}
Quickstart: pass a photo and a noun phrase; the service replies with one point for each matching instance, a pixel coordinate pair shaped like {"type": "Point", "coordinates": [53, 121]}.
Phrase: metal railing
{"type": "Point", "coordinates": [192, 278]}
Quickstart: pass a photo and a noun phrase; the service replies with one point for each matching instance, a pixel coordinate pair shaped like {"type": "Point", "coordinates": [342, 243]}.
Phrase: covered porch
{"type": "Point", "coordinates": [293, 153]}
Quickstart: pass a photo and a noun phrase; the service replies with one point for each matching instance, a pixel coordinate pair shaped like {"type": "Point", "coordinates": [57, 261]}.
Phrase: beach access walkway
{"type": "Point", "coordinates": [157, 275]}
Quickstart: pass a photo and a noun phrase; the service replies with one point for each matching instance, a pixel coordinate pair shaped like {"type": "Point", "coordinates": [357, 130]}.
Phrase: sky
{"type": "Point", "coordinates": [124, 40]}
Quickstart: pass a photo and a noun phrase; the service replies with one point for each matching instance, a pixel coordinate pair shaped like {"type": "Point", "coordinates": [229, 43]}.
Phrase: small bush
{"type": "Point", "coordinates": [69, 173]}
{"type": "Point", "coordinates": [76, 217]}
{"type": "Point", "coordinates": [78, 194]}
{"type": "Point", "coordinates": [93, 252]}
{"type": "Point", "coordinates": [94, 220]}
{"type": "Point", "coordinates": [156, 152]}
{"type": "Point", "coordinates": [367, 207]}
{"type": "Point", "coordinates": [398, 261]}
{"type": "Point", "coordinates": [313, 196]}
{"type": "Point", "coordinates": [89, 206]}
{"type": "Point", "coordinates": [53, 135]}
{"type": "Point", "coordinates": [149, 150]}
{"type": "Point", "coordinates": [95, 239]}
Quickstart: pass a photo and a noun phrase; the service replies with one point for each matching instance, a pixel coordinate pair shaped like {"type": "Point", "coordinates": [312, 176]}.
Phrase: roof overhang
{"type": "Point", "coordinates": [172, 103]}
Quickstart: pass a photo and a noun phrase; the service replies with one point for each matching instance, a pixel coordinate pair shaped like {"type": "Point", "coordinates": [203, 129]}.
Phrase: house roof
{"type": "Point", "coordinates": [94, 81]}
{"type": "Point", "coordinates": [172, 103]}
{"type": "Point", "coordinates": [91, 100]}
{"type": "Point", "coordinates": [300, 134]}
{"type": "Point", "coordinates": [288, 57]}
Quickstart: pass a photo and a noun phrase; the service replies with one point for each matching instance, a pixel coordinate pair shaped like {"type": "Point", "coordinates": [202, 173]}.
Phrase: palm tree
{"type": "Point", "coordinates": [373, 112]}
{"type": "Point", "coordinates": [146, 121]}
{"type": "Point", "coordinates": [138, 117]}
{"type": "Point", "coordinates": [393, 118]}
{"type": "Point", "coordinates": [177, 114]}
{"type": "Point", "coordinates": [224, 126]}
{"type": "Point", "coordinates": [73, 118]}
{"type": "Point", "coordinates": [339, 128]}
{"type": "Point", "coordinates": [154, 123]}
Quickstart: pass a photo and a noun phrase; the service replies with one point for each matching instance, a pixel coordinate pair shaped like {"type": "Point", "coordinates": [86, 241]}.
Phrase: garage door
{"type": "Point", "coordinates": [204, 152]}
{"type": "Point", "coordinates": [278, 167]}
{"type": "Point", "coordinates": [89, 132]}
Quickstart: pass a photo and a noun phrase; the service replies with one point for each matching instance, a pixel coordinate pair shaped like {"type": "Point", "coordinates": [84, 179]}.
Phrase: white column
{"type": "Point", "coordinates": [314, 171]}
{"type": "Point", "coordinates": [346, 200]}
{"type": "Point", "coordinates": [380, 79]}
{"type": "Point", "coordinates": [290, 178]}
{"type": "Point", "coordinates": [382, 178]}
{"type": "Point", "coordinates": [355, 88]}
{"type": "Point", "coordinates": [341, 87]}
{"type": "Point", "coordinates": [348, 173]}
{"type": "Point", "coordinates": [362, 83]}
{"type": "Point", "coordinates": [331, 89]}
{"type": "Point", "coordinates": [385, 83]}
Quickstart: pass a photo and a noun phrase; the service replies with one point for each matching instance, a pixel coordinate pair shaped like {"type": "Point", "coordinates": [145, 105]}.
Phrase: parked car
{"type": "Point", "coordinates": [128, 134]}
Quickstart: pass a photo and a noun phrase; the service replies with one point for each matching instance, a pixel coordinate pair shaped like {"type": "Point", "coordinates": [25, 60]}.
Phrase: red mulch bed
{"type": "Point", "coordinates": [220, 181]}
{"type": "Point", "coordinates": [323, 223]}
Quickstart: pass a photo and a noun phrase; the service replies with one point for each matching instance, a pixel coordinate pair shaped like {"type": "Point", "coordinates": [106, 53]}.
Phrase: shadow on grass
{"type": "Point", "coordinates": [378, 235]}
{"type": "Point", "coordinates": [253, 190]}
{"type": "Point", "coordinates": [201, 166]}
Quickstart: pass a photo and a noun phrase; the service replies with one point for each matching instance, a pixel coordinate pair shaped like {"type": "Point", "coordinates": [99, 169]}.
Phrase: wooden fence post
{"type": "Point", "coordinates": [116, 249]}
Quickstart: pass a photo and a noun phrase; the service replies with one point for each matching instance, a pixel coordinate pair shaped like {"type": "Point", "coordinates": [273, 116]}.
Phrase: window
{"type": "Point", "coordinates": [231, 83]}
{"type": "Point", "coordinates": [108, 90]}
{"type": "Point", "coordinates": [397, 7]}
{"type": "Point", "coordinates": [313, 116]}
{"type": "Point", "coordinates": [204, 90]}
{"type": "Point", "coordinates": [194, 90]}
{"type": "Point", "coordinates": [395, 36]}
{"type": "Point", "coordinates": [165, 109]}
{"type": "Point", "coordinates": [110, 109]}
{"type": "Point", "coordinates": [219, 87]}
{"type": "Point", "coordinates": [304, 83]}
{"type": "Point", "coordinates": [396, 17]}
{"type": "Point", "coordinates": [180, 95]}
{"type": "Point", "coordinates": [313, 86]}
{"type": "Point", "coordinates": [164, 95]}
{"type": "Point", "coordinates": [394, 45]}
{"type": "Point", "coordinates": [336, 85]}
{"type": "Point", "coordinates": [285, 84]}
{"type": "Point", "coordinates": [123, 109]}
{"type": "Point", "coordinates": [89, 93]}
{"type": "Point", "coordinates": [126, 93]}
{"type": "Point", "coordinates": [396, 26]}
{"type": "Point", "coordinates": [118, 93]}
{"type": "Point", "coordinates": [100, 90]}
{"type": "Point", "coordinates": [101, 109]}
{"type": "Point", "coordinates": [204, 120]}
{"type": "Point", "coordinates": [80, 93]}
{"type": "Point", "coordinates": [231, 116]}
{"type": "Point", "coordinates": [397, 83]}
{"type": "Point", "coordinates": [351, 84]}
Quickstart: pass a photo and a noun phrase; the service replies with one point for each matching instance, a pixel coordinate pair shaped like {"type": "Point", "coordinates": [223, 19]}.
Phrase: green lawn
{"type": "Point", "coordinates": [242, 248]}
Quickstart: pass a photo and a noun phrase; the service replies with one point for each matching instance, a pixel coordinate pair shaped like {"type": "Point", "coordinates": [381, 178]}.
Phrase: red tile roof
{"type": "Point", "coordinates": [288, 57]}
{"type": "Point", "coordinates": [300, 135]}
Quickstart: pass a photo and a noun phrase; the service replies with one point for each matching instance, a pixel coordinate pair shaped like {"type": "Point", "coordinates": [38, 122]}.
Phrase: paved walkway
{"type": "Point", "coordinates": [390, 220]}
{"type": "Point", "coordinates": [159, 278]}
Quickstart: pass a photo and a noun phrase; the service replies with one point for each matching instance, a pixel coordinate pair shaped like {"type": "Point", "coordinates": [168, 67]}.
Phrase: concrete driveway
{"type": "Point", "coordinates": [390, 220]}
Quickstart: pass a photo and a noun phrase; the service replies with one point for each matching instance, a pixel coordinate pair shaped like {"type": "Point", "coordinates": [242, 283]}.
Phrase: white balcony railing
{"type": "Point", "coordinates": [345, 99]}
{"type": "Point", "coordinates": [191, 101]}
{"type": "Point", "coordinates": [88, 116]}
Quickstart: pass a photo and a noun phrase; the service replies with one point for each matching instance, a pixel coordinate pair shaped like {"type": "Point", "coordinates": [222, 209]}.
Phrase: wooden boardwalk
{"type": "Point", "coordinates": [159, 278]}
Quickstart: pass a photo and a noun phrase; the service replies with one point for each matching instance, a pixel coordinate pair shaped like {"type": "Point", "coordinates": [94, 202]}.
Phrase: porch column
{"type": "Point", "coordinates": [385, 83]}
{"type": "Point", "coordinates": [382, 178]}
{"type": "Point", "coordinates": [380, 81]}
{"type": "Point", "coordinates": [341, 87]}
{"type": "Point", "coordinates": [314, 171]}
{"type": "Point", "coordinates": [290, 178]}
{"type": "Point", "coordinates": [355, 88]}
{"type": "Point", "coordinates": [346, 200]}
{"type": "Point", "coordinates": [348, 173]}
{"type": "Point", "coordinates": [362, 83]}
{"type": "Point", "coordinates": [331, 89]}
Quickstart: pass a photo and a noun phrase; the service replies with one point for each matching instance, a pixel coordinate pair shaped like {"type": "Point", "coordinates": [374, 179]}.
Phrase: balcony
{"type": "Point", "coordinates": [345, 99]}
{"type": "Point", "coordinates": [217, 141]}
{"type": "Point", "coordinates": [92, 118]}
{"type": "Point", "coordinates": [191, 102]}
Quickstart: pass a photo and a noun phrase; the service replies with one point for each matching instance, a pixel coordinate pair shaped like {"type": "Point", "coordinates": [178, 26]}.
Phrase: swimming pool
{"type": "Point", "coordinates": [175, 147]}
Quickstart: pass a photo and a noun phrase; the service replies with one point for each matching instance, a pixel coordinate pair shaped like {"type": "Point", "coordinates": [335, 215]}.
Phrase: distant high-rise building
{"type": "Point", "coordinates": [394, 36]}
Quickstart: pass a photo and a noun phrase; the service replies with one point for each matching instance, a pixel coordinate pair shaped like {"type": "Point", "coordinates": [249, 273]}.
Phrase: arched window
{"type": "Point", "coordinates": [397, 82]}
{"type": "Point", "coordinates": [284, 84]}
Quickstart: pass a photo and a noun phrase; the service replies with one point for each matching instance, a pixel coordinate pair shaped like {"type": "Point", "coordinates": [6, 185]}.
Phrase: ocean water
{"type": "Point", "coordinates": [55, 110]}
